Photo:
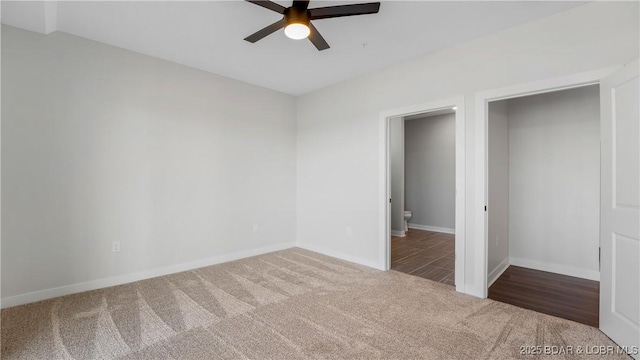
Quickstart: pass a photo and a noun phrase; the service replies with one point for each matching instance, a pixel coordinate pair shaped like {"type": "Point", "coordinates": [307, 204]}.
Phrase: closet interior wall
{"type": "Point", "coordinates": [544, 183]}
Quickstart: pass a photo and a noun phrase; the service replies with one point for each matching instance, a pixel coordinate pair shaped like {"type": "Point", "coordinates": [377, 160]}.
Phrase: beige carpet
{"type": "Point", "coordinates": [292, 304]}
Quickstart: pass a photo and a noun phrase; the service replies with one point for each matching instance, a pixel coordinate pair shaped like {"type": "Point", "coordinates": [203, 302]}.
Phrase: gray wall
{"type": "Point", "coordinates": [396, 155]}
{"type": "Point", "coordinates": [100, 144]}
{"type": "Point", "coordinates": [554, 181]}
{"type": "Point", "coordinates": [498, 189]}
{"type": "Point", "coordinates": [430, 159]}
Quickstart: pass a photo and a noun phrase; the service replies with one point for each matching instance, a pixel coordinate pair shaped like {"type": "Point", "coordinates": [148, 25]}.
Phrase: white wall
{"type": "Point", "coordinates": [338, 128]}
{"type": "Point", "coordinates": [430, 168]}
{"type": "Point", "coordinates": [101, 144]}
{"type": "Point", "coordinates": [498, 189]}
{"type": "Point", "coordinates": [38, 16]}
{"type": "Point", "coordinates": [554, 181]}
{"type": "Point", "coordinates": [396, 156]}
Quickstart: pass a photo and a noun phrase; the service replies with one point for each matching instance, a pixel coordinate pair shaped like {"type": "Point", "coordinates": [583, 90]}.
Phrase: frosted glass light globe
{"type": "Point", "coordinates": [297, 31]}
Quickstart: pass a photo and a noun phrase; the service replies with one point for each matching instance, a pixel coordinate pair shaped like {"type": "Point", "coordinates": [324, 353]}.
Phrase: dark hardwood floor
{"type": "Point", "coordinates": [426, 254]}
{"type": "Point", "coordinates": [554, 294]}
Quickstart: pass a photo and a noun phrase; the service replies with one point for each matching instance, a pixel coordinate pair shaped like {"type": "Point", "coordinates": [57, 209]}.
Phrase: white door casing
{"type": "Point", "coordinates": [620, 207]}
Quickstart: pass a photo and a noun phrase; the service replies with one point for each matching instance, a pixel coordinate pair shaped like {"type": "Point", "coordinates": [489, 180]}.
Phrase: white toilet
{"type": "Point", "coordinates": [407, 216]}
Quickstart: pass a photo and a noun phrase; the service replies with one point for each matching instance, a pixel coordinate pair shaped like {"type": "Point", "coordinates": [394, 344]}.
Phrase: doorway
{"type": "Point", "coordinates": [543, 202]}
{"type": "Point", "coordinates": [426, 236]}
{"type": "Point", "coordinates": [619, 200]}
{"type": "Point", "coordinates": [422, 163]}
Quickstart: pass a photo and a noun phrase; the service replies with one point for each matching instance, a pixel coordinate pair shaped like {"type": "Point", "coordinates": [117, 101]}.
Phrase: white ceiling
{"type": "Point", "coordinates": [209, 35]}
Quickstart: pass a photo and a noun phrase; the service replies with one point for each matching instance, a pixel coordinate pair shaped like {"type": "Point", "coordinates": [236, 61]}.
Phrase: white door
{"type": "Point", "coordinates": [620, 207]}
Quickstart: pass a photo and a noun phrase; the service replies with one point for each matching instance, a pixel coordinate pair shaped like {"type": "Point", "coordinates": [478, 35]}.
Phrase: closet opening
{"type": "Point", "coordinates": [543, 202]}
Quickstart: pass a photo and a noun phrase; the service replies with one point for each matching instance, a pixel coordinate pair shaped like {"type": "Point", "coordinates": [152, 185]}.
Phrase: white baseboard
{"type": "Point", "coordinates": [556, 268]}
{"type": "Point", "coordinates": [340, 255]}
{"type": "Point", "coordinates": [142, 275]}
{"type": "Point", "coordinates": [497, 272]}
{"type": "Point", "coordinates": [432, 228]}
{"type": "Point", "coordinates": [397, 233]}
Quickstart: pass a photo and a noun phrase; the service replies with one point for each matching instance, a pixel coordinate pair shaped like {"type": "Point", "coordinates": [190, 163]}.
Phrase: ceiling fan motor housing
{"type": "Point", "coordinates": [295, 15]}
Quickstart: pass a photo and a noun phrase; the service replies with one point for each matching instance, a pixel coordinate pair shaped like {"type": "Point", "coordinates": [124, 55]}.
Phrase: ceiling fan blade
{"type": "Point", "coordinates": [317, 39]}
{"type": "Point", "coordinates": [269, 5]}
{"type": "Point", "coordinates": [301, 4]}
{"type": "Point", "coordinates": [344, 10]}
{"type": "Point", "coordinates": [266, 31]}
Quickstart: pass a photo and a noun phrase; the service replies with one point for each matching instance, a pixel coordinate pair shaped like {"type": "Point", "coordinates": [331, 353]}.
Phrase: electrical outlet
{"type": "Point", "coordinates": [349, 230]}
{"type": "Point", "coordinates": [255, 227]}
{"type": "Point", "coordinates": [115, 246]}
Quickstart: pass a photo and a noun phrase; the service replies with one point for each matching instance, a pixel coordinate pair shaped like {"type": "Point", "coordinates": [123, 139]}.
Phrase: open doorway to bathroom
{"type": "Point", "coordinates": [422, 157]}
{"type": "Point", "coordinates": [422, 185]}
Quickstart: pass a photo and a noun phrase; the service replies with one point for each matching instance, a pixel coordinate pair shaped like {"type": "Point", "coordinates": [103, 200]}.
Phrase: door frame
{"type": "Point", "coordinates": [460, 195]}
{"type": "Point", "coordinates": [480, 238]}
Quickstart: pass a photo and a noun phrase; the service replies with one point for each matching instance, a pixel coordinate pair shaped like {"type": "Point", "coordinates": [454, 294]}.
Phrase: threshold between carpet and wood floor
{"type": "Point", "coordinates": [559, 295]}
{"type": "Point", "coordinates": [290, 304]}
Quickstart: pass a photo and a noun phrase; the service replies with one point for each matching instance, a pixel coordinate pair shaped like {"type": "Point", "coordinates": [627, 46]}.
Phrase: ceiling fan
{"type": "Point", "coordinates": [297, 19]}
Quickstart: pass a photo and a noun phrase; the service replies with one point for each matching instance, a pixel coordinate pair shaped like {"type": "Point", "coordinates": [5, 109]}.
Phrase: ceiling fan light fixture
{"type": "Point", "coordinates": [297, 30]}
{"type": "Point", "coordinates": [297, 19]}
